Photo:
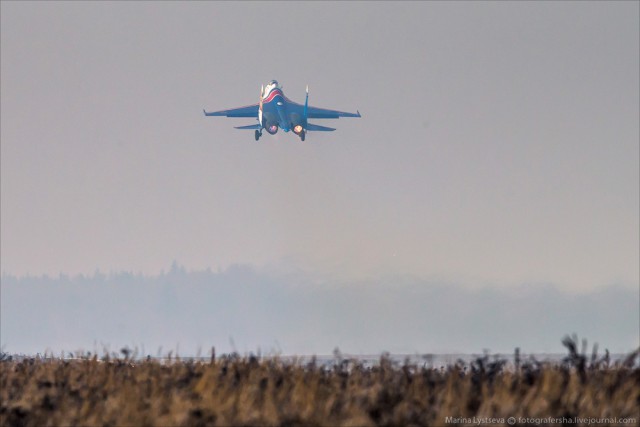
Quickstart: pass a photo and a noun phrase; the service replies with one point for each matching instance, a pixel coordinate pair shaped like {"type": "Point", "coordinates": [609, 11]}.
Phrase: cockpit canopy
{"type": "Point", "coordinates": [273, 84]}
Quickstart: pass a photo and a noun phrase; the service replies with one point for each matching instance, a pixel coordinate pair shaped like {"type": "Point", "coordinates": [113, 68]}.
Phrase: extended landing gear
{"type": "Point", "coordinates": [258, 134]}
{"type": "Point", "coordinates": [302, 135]}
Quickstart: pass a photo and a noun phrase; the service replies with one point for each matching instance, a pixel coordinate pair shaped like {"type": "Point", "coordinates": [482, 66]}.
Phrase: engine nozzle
{"type": "Point", "coordinates": [272, 129]}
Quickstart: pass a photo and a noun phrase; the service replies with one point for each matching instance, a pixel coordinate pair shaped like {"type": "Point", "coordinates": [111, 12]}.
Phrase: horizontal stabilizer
{"type": "Point", "coordinates": [256, 126]}
{"type": "Point", "coordinates": [319, 128]}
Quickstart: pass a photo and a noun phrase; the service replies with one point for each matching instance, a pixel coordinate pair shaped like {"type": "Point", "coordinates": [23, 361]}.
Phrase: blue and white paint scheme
{"type": "Point", "coordinates": [275, 111]}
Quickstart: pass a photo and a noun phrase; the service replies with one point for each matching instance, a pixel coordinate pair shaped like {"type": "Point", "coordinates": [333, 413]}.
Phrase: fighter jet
{"type": "Point", "coordinates": [275, 111]}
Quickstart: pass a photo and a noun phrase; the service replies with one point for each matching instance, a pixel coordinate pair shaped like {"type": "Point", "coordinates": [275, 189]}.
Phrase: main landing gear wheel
{"type": "Point", "coordinates": [258, 134]}
{"type": "Point", "coordinates": [302, 135]}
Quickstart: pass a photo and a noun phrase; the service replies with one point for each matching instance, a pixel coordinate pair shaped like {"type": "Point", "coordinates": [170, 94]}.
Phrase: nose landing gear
{"type": "Point", "coordinates": [258, 134]}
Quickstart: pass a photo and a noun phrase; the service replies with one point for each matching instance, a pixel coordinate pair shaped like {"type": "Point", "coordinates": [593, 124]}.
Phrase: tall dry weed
{"type": "Point", "coordinates": [233, 390]}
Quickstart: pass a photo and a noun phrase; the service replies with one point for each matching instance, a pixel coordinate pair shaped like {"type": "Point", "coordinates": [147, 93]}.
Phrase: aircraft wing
{"type": "Point", "coordinates": [320, 113]}
{"type": "Point", "coordinates": [323, 113]}
{"type": "Point", "coordinates": [248, 111]}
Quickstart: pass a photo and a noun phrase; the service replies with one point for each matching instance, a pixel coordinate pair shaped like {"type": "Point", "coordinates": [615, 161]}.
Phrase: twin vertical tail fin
{"type": "Point", "coordinates": [261, 93]}
{"type": "Point", "coordinates": [260, 104]}
{"type": "Point", "coordinates": [308, 126]}
{"type": "Point", "coordinates": [304, 112]}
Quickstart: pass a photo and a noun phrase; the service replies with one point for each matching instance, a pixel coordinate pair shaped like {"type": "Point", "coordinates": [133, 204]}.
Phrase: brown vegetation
{"type": "Point", "coordinates": [232, 390]}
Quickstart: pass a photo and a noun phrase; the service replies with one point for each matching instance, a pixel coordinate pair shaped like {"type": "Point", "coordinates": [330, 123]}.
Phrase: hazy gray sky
{"type": "Point", "coordinates": [498, 143]}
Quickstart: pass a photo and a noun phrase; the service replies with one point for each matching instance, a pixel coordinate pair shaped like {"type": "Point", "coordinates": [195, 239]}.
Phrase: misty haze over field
{"type": "Point", "coordinates": [243, 309]}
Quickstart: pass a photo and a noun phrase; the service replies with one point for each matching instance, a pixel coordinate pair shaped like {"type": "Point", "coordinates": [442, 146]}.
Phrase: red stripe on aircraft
{"type": "Point", "coordinates": [272, 94]}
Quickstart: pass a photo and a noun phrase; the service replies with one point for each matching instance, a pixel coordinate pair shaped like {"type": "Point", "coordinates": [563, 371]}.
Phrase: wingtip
{"type": "Point", "coordinates": [358, 111]}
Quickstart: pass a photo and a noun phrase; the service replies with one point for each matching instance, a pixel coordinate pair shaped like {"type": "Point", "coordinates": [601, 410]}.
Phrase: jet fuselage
{"type": "Point", "coordinates": [275, 111]}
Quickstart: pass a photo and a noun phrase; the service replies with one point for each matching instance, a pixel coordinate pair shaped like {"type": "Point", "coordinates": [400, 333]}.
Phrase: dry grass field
{"type": "Point", "coordinates": [233, 390]}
